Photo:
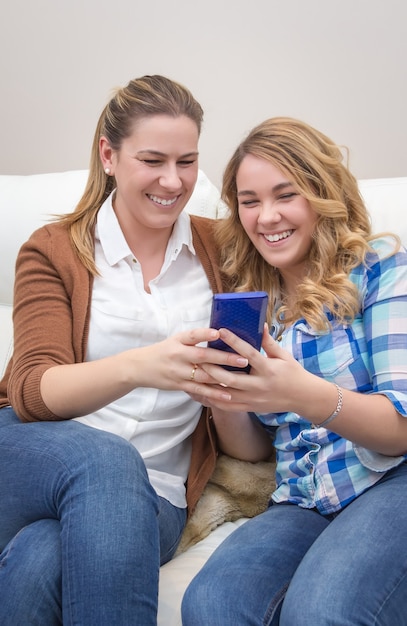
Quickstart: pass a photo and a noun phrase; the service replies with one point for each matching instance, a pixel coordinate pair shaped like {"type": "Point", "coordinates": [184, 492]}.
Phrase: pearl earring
{"type": "Point", "coordinates": [107, 171]}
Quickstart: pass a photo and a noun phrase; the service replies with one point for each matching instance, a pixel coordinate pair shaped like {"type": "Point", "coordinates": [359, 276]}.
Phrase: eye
{"type": "Point", "coordinates": [186, 162]}
{"type": "Point", "coordinates": [248, 203]}
{"type": "Point", "coordinates": [151, 161]}
{"type": "Point", "coordinates": [287, 196]}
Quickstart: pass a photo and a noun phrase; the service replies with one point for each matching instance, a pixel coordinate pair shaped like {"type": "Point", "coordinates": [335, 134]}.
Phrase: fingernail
{"type": "Point", "coordinates": [226, 396]}
{"type": "Point", "coordinates": [242, 361]}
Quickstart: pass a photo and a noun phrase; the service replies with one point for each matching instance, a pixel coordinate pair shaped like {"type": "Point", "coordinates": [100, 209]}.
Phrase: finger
{"type": "Point", "coordinates": [200, 399]}
{"type": "Point", "coordinates": [230, 405]}
{"type": "Point", "coordinates": [198, 335]}
{"type": "Point", "coordinates": [196, 388]}
{"type": "Point", "coordinates": [203, 377]}
{"type": "Point", "coordinates": [212, 393]}
{"type": "Point", "coordinates": [200, 375]}
{"type": "Point", "coordinates": [226, 378]}
{"type": "Point", "coordinates": [270, 346]}
{"type": "Point", "coordinates": [219, 357]}
{"type": "Point", "coordinates": [239, 346]}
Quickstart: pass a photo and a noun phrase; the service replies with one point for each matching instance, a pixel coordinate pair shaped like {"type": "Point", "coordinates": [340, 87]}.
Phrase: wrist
{"type": "Point", "coordinates": [335, 412]}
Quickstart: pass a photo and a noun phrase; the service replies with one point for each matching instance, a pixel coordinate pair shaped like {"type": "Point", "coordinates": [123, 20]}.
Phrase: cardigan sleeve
{"type": "Point", "coordinates": [51, 296]}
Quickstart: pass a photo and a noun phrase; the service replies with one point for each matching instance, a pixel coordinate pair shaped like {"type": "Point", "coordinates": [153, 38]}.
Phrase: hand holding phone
{"type": "Point", "coordinates": [243, 313]}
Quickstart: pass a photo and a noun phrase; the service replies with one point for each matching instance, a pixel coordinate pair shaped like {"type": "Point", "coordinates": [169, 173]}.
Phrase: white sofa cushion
{"type": "Point", "coordinates": [177, 574]}
{"type": "Point", "coordinates": [6, 336]}
{"type": "Point", "coordinates": [386, 200]}
{"type": "Point", "coordinates": [28, 202]}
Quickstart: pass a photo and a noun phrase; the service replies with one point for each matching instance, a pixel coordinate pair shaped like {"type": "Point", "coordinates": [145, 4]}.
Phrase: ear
{"type": "Point", "coordinates": [106, 155]}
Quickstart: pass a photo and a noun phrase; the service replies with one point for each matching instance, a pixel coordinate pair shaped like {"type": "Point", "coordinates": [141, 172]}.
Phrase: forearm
{"type": "Point", "coordinates": [80, 388]}
{"type": "Point", "coordinates": [241, 437]}
{"type": "Point", "coordinates": [76, 389]}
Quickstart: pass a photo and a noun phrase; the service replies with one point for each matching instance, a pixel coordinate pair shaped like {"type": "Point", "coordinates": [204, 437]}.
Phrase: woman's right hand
{"type": "Point", "coordinates": [76, 389]}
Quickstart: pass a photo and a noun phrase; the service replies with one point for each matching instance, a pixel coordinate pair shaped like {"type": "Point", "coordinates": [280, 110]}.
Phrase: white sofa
{"type": "Point", "coordinates": [27, 201]}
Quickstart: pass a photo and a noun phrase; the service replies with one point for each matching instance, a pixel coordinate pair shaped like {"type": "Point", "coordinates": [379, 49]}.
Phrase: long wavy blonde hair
{"type": "Point", "coordinates": [142, 97]}
{"type": "Point", "coordinates": [314, 164]}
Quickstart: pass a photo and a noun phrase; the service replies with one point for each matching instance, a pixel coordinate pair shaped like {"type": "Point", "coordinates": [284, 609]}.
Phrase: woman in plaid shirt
{"type": "Point", "coordinates": [331, 395]}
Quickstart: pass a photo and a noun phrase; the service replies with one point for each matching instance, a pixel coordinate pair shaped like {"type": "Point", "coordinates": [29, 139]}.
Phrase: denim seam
{"type": "Point", "coordinates": [383, 605]}
{"type": "Point", "coordinates": [274, 605]}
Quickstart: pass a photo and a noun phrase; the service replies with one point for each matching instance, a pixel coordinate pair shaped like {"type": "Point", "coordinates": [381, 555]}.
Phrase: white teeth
{"type": "Point", "coordinates": [278, 237]}
{"type": "Point", "coordinates": [162, 200]}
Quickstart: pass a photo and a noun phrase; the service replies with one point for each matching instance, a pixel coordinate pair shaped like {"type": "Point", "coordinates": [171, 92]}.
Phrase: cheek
{"type": "Point", "coordinates": [248, 220]}
{"type": "Point", "coordinates": [191, 176]}
{"type": "Point", "coordinates": [188, 175]}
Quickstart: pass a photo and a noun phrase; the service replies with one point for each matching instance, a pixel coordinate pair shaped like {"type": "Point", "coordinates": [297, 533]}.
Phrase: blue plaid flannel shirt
{"type": "Point", "coordinates": [316, 467]}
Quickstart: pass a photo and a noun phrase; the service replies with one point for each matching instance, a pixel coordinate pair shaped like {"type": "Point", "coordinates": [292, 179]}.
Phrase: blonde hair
{"type": "Point", "coordinates": [313, 163]}
{"type": "Point", "coordinates": [142, 97]}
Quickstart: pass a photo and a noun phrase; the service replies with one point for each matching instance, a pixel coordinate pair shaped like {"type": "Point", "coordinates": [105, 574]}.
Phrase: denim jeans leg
{"type": "Point", "coordinates": [96, 486]}
{"type": "Point", "coordinates": [30, 576]}
{"type": "Point", "coordinates": [244, 582]}
{"type": "Point", "coordinates": [171, 521]}
{"type": "Point", "coordinates": [355, 574]}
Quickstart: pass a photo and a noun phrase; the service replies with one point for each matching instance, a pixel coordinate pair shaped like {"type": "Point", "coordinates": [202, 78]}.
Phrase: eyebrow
{"type": "Point", "coordinates": [163, 154]}
{"type": "Point", "coordinates": [275, 189]}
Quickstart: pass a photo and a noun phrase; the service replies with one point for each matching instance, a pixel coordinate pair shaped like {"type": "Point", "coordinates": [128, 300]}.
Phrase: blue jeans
{"type": "Point", "coordinates": [292, 566]}
{"type": "Point", "coordinates": [82, 531]}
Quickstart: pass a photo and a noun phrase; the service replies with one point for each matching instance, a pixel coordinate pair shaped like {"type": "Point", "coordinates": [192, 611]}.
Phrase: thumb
{"type": "Point", "coordinates": [269, 345]}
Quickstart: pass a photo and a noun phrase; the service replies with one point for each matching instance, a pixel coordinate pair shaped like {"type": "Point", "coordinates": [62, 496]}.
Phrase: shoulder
{"type": "Point", "coordinates": [204, 226]}
{"type": "Point", "coordinates": [51, 245]}
{"type": "Point", "coordinates": [386, 254]}
{"type": "Point", "coordinates": [384, 273]}
{"type": "Point", "coordinates": [384, 246]}
{"type": "Point", "coordinates": [203, 231]}
{"type": "Point", "coordinates": [54, 233]}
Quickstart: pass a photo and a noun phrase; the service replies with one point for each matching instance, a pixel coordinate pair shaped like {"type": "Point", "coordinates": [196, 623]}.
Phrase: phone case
{"type": "Point", "coordinates": [244, 314]}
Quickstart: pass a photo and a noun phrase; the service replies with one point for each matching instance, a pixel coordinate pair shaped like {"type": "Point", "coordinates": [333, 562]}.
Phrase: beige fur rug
{"type": "Point", "coordinates": [236, 489]}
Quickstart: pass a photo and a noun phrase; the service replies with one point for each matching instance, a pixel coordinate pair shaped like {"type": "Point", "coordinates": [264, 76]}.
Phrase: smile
{"type": "Point", "coordinates": [163, 201]}
{"type": "Point", "coordinates": [279, 236]}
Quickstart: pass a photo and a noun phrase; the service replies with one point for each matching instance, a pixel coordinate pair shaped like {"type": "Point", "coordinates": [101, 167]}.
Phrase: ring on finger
{"type": "Point", "coordinates": [192, 377]}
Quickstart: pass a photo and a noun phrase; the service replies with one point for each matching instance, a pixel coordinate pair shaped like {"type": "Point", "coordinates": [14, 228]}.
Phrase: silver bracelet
{"type": "Point", "coordinates": [337, 410]}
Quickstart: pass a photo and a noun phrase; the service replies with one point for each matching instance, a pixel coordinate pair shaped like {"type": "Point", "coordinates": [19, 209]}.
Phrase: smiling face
{"type": "Point", "coordinates": [278, 221]}
{"type": "Point", "coordinates": [155, 169]}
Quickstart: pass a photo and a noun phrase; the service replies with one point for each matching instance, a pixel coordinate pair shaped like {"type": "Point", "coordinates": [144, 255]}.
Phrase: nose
{"type": "Point", "coordinates": [170, 178]}
{"type": "Point", "coordinates": [269, 213]}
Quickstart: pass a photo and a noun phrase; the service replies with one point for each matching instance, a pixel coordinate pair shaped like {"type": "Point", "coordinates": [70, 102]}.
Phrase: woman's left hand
{"type": "Point", "coordinates": [275, 384]}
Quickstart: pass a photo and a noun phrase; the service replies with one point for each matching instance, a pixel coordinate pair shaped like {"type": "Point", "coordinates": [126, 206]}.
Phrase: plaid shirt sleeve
{"type": "Point", "coordinates": [384, 310]}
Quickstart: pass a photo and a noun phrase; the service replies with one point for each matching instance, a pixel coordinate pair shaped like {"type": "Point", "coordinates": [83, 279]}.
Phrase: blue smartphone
{"type": "Point", "coordinates": [243, 313]}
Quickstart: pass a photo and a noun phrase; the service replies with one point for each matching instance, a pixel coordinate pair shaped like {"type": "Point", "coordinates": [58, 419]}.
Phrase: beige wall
{"type": "Point", "coordinates": [340, 65]}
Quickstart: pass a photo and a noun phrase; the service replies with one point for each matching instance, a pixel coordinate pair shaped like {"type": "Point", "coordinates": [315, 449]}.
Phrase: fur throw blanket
{"type": "Point", "coordinates": [236, 489]}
